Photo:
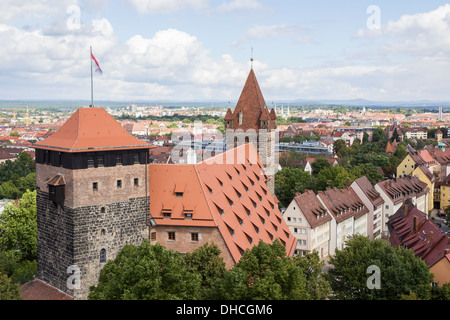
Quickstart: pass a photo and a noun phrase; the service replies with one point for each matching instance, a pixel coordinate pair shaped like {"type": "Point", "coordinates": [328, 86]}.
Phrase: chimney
{"type": "Point", "coordinates": [416, 223]}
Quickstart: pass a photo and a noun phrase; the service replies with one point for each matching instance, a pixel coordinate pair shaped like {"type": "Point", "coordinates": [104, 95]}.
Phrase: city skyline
{"type": "Point", "coordinates": [200, 50]}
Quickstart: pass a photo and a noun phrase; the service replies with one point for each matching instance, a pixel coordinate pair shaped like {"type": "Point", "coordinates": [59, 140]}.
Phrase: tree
{"type": "Point", "coordinates": [338, 145]}
{"type": "Point", "coordinates": [146, 272]}
{"type": "Point", "coordinates": [265, 272]}
{"type": "Point", "coordinates": [319, 164]}
{"type": "Point", "coordinates": [289, 181]}
{"type": "Point", "coordinates": [207, 262]}
{"type": "Point", "coordinates": [8, 289]}
{"type": "Point", "coordinates": [316, 283]}
{"type": "Point", "coordinates": [333, 177]}
{"type": "Point", "coordinates": [401, 273]}
{"type": "Point", "coordinates": [19, 227]}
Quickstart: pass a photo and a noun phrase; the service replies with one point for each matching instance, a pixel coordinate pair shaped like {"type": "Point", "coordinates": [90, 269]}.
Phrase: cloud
{"type": "Point", "coordinates": [167, 6]}
{"type": "Point", "coordinates": [239, 5]}
{"type": "Point", "coordinates": [261, 32]}
{"type": "Point", "coordinates": [422, 34]}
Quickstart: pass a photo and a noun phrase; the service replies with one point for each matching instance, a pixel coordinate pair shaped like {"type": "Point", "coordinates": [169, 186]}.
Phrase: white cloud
{"type": "Point", "coordinates": [167, 6]}
{"type": "Point", "coordinates": [422, 34]}
{"type": "Point", "coordinates": [239, 5]}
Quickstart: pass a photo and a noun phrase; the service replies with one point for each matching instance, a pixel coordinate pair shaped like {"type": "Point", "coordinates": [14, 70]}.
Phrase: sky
{"type": "Point", "coordinates": [200, 50]}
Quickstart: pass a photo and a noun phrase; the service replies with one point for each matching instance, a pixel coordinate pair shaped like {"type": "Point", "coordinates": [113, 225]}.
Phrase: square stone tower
{"type": "Point", "coordinates": [92, 198]}
{"type": "Point", "coordinates": [252, 122]}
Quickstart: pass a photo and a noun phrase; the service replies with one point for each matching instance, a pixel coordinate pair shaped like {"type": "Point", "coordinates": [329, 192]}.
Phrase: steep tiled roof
{"type": "Point", "coordinates": [228, 194]}
{"type": "Point", "coordinates": [39, 290]}
{"type": "Point", "coordinates": [369, 190]}
{"type": "Point", "coordinates": [343, 203]}
{"type": "Point", "coordinates": [90, 129]}
{"type": "Point", "coordinates": [252, 105]}
{"type": "Point", "coordinates": [399, 188]}
{"type": "Point", "coordinates": [409, 227]}
{"type": "Point", "coordinates": [314, 212]}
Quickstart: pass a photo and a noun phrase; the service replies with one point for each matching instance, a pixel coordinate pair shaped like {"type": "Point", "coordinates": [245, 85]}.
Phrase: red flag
{"type": "Point", "coordinates": [99, 70]}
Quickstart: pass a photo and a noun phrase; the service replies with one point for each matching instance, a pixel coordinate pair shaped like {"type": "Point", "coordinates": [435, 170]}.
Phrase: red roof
{"type": "Point", "coordinates": [230, 195]}
{"type": "Point", "coordinates": [252, 104]}
{"type": "Point", "coordinates": [90, 129]}
{"type": "Point", "coordinates": [39, 290]}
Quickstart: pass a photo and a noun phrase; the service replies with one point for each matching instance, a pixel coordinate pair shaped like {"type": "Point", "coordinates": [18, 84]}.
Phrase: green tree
{"type": "Point", "coordinates": [401, 272]}
{"type": "Point", "coordinates": [8, 289]}
{"type": "Point", "coordinates": [146, 272]}
{"type": "Point", "coordinates": [319, 164]}
{"type": "Point", "coordinates": [265, 272]}
{"type": "Point", "coordinates": [338, 145]}
{"type": "Point", "coordinates": [316, 283]}
{"type": "Point", "coordinates": [207, 262]}
{"type": "Point", "coordinates": [333, 177]}
{"type": "Point", "coordinates": [289, 181]}
{"type": "Point", "coordinates": [19, 227]}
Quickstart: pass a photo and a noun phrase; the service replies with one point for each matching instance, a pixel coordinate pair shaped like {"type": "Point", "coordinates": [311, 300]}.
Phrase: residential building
{"type": "Point", "coordinates": [374, 203]}
{"type": "Point", "coordinates": [410, 228]}
{"type": "Point", "coordinates": [349, 215]}
{"type": "Point", "coordinates": [416, 133]}
{"type": "Point", "coordinates": [394, 191]}
{"type": "Point", "coordinates": [309, 221]}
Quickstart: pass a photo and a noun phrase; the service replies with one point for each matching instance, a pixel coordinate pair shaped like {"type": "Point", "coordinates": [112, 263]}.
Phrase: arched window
{"type": "Point", "coordinates": [102, 256]}
{"type": "Point", "coordinates": [235, 141]}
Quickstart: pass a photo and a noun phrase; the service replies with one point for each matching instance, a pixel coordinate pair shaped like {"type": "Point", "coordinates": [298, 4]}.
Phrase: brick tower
{"type": "Point", "coordinates": [92, 198]}
{"type": "Point", "coordinates": [251, 121]}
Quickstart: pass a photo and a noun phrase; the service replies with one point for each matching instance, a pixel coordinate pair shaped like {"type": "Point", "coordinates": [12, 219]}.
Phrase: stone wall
{"type": "Point", "coordinates": [74, 237]}
{"type": "Point", "coordinates": [183, 239]}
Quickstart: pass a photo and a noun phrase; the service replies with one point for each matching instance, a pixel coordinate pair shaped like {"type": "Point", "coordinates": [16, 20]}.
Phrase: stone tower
{"type": "Point", "coordinates": [251, 121]}
{"type": "Point", "coordinates": [92, 199]}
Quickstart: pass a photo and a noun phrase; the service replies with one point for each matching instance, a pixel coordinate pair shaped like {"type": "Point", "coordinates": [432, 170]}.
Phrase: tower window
{"type": "Point", "coordinates": [90, 161]}
{"type": "Point", "coordinates": [119, 184]}
{"type": "Point", "coordinates": [102, 256]}
{"type": "Point", "coordinates": [95, 186]}
{"type": "Point", "coordinates": [102, 210]}
{"type": "Point", "coordinates": [103, 232]}
{"type": "Point", "coordinates": [136, 182]}
{"type": "Point", "coordinates": [241, 117]}
{"type": "Point", "coordinates": [119, 159]}
{"type": "Point", "coordinates": [100, 161]}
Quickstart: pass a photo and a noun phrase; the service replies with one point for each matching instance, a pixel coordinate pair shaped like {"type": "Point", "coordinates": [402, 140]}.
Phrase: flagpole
{"type": "Point", "coordinates": [92, 83]}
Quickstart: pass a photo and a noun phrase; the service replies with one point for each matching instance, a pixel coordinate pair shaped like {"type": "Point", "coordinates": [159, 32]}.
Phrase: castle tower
{"type": "Point", "coordinates": [251, 121]}
{"type": "Point", "coordinates": [91, 178]}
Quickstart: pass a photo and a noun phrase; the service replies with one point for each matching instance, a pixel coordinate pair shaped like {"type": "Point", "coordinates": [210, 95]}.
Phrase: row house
{"type": "Point", "coordinates": [423, 165]}
{"type": "Point", "coordinates": [323, 222]}
{"type": "Point", "coordinates": [395, 191]}
{"type": "Point", "coordinates": [410, 228]}
{"type": "Point", "coordinates": [374, 203]}
{"type": "Point", "coordinates": [416, 133]}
